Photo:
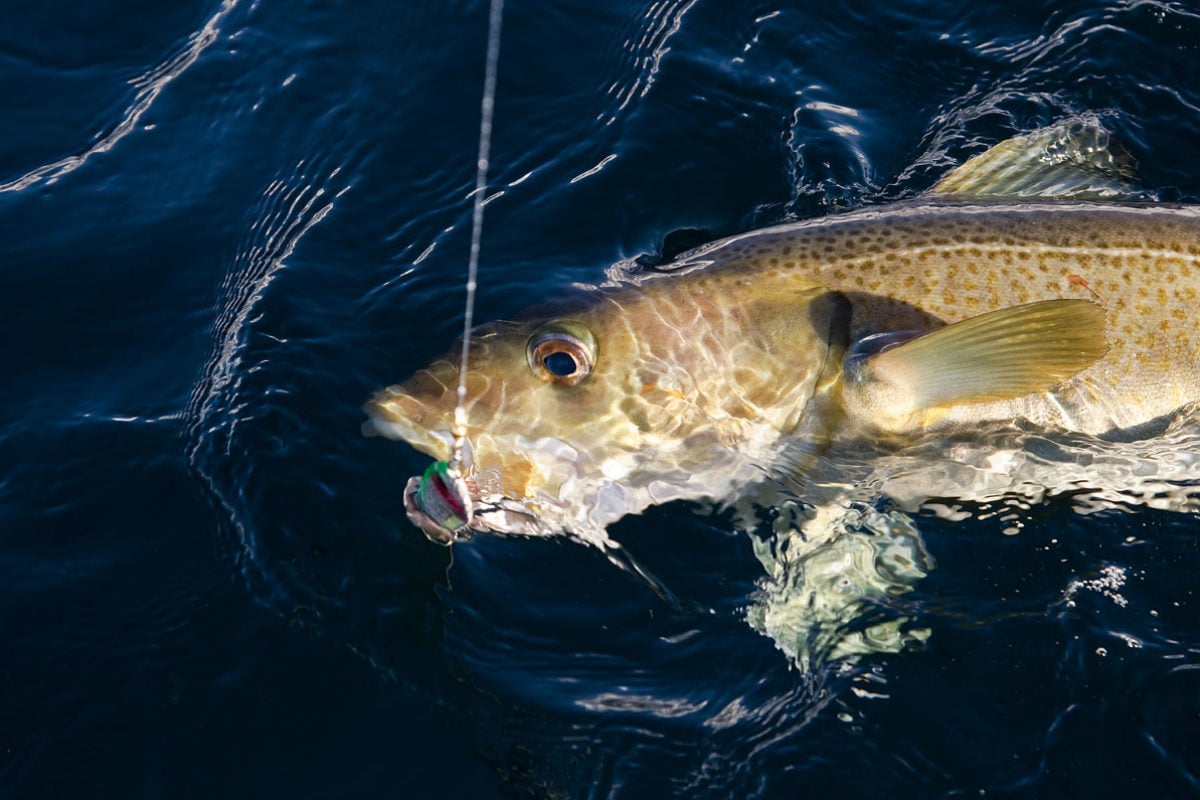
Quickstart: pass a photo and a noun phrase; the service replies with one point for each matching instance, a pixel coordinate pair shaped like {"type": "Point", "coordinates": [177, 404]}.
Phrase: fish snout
{"type": "Point", "coordinates": [423, 420]}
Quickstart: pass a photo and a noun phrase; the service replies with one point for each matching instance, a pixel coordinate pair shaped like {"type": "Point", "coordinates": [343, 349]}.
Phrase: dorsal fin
{"type": "Point", "coordinates": [1075, 159]}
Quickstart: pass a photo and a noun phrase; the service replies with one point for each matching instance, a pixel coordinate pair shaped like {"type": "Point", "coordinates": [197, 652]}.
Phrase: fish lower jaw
{"type": "Point", "coordinates": [519, 483]}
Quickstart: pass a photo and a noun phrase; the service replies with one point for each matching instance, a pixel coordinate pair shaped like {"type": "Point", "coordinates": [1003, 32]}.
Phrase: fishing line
{"type": "Point", "coordinates": [439, 502]}
{"type": "Point", "coordinates": [487, 107]}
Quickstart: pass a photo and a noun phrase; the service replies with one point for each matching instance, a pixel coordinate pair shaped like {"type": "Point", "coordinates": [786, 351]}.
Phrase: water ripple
{"type": "Point", "coordinates": [148, 87]}
{"type": "Point", "coordinates": [290, 206]}
{"type": "Point", "coordinates": [646, 49]}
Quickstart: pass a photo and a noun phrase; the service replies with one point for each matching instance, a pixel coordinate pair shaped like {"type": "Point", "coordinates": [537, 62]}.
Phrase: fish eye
{"type": "Point", "coordinates": [561, 354]}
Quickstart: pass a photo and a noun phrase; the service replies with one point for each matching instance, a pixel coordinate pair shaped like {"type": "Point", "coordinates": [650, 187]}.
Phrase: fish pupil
{"type": "Point", "coordinates": [560, 364]}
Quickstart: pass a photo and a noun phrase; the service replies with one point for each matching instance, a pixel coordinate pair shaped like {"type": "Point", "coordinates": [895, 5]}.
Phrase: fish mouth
{"type": "Point", "coordinates": [456, 498]}
{"type": "Point", "coordinates": [395, 415]}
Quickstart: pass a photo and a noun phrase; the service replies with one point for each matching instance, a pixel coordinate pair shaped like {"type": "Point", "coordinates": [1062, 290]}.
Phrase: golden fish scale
{"type": "Point", "coordinates": [917, 267]}
{"type": "Point", "coordinates": [695, 347]}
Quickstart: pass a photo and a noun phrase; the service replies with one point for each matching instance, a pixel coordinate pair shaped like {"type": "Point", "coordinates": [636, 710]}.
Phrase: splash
{"type": "Point", "coordinates": [845, 541]}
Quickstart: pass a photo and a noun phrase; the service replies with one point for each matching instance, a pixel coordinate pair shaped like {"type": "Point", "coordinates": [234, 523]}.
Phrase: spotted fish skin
{"type": "Point", "coordinates": [918, 267]}
{"type": "Point", "coordinates": [705, 372]}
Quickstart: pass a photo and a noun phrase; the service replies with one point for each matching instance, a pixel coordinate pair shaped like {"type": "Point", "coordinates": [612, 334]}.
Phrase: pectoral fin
{"type": "Point", "coordinates": [996, 356]}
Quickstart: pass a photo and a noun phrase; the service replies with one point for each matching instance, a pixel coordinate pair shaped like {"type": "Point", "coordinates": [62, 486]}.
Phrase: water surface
{"type": "Point", "coordinates": [227, 223]}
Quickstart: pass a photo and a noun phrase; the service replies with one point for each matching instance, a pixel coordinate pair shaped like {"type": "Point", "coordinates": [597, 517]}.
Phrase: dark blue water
{"type": "Point", "coordinates": [225, 224]}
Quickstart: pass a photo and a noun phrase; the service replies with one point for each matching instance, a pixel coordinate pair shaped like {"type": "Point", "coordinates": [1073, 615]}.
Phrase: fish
{"type": "Point", "coordinates": [1034, 288]}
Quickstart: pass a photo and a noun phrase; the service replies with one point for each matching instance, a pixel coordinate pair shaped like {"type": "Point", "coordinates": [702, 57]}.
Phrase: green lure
{"type": "Point", "coordinates": [439, 503]}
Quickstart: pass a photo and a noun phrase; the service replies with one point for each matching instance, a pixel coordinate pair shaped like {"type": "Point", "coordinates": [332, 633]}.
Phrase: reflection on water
{"type": "Point", "coordinates": [1006, 472]}
{"type": "Point", "coordinates": [844, 541]}
{"type": "Point", "coordinates": [147, 87]}
{"type": "Point", "coordinates": [829, 578]}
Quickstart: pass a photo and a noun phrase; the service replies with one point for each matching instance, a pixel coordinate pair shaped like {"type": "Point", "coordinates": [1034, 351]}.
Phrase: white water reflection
{"type": "Point", "coordinates": [148, 87]}
{"type": "Point", "coordinates": [845, 539]}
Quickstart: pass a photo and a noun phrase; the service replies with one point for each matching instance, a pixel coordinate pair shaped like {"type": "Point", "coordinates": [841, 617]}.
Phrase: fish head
{"type": "Point", "coordinates": [637, 397]}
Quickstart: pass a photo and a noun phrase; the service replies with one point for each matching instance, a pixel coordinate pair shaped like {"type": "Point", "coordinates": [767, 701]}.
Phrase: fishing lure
{"type": "Point", "coordinates": [439, 503]}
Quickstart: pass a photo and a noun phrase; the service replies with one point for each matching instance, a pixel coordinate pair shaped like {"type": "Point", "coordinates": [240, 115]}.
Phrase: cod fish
{"type": "Point", "coordinates": [1031, 289]}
